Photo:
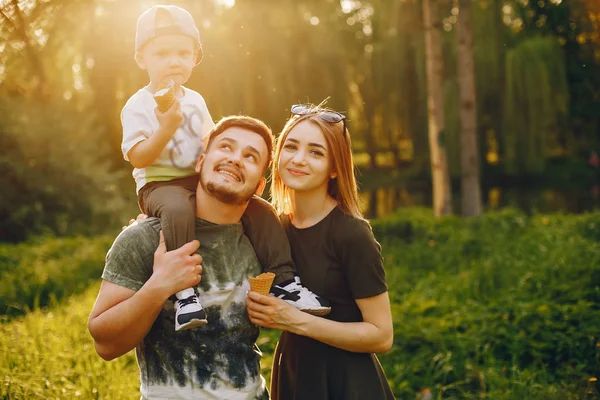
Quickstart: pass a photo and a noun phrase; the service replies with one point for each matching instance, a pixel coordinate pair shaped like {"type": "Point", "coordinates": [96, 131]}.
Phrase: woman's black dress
{"type": "Point", "coordinates": [339, 259]}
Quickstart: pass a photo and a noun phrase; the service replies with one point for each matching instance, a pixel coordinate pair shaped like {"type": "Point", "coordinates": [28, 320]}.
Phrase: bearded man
{"type": "Point", "coordinates": [133, 309]}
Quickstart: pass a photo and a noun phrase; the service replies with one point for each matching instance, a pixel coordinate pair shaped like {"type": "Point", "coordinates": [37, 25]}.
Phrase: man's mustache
{"type": "Point", "coordinates": [230, 166]}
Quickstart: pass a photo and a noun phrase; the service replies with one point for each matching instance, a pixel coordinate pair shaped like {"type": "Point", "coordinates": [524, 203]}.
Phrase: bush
{"type": "Point", "coordinates": [503, 306]}
{"type": "Point", "coordinates": [500, 306]}
{"type": "Point", "coordinates": [35, 272]}
{"type": "Point", "coordinates": [56, 177]}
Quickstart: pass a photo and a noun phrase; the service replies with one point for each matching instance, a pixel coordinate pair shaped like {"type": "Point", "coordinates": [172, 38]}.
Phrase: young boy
{"type": "Point", "coordinates": [164, 146]}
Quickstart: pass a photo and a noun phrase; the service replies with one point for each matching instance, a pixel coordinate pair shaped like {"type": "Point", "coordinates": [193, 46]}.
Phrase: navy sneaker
{"type": "Point", "coordinates": [300, 297]}
{"type": "Point", "coordinates": [189, 313]}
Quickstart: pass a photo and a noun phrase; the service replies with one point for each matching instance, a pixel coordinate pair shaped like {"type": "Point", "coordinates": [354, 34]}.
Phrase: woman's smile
{"type": "Point", "coordinates": [296, 172]}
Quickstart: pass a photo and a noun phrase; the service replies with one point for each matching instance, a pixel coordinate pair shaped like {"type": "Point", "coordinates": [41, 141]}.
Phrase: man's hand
{"type": "Point", "coordinates": [177, 269]}
{"type": "Point", "coordinates": [171, 119]}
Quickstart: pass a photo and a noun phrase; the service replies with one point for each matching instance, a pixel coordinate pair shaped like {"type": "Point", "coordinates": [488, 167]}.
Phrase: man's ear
{"type": "Point", "coordinates": [199, 163]}
{"type": "Point", "coordinates": [261, 186]}
{"type": "Point", "coordinates": [139, 59]}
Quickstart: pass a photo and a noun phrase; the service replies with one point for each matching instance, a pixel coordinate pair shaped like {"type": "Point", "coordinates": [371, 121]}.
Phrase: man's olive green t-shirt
{"type": "Point", "coordinates": [217, 361]}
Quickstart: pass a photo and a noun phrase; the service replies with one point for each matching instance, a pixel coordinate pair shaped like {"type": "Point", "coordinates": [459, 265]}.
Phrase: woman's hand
{"type": "Point", "coordinates": [139, 218]}
{"type": "Point", "coordinates": [271, 312]}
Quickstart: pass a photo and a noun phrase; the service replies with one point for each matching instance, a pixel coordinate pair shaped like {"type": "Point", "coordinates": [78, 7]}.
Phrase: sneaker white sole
{"type": "Point", "coordinates": [317, 312]}
{"type": "Point", "coordinates": [194, 323]}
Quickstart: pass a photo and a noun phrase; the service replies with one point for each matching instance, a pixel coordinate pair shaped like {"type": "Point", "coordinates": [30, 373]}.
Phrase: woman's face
{"type": "Point", "coordinates": [304, 161]}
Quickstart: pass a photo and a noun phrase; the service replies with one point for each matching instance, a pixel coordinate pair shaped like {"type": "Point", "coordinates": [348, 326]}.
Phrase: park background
{"type": "Point", "coordinates": [476, 132]}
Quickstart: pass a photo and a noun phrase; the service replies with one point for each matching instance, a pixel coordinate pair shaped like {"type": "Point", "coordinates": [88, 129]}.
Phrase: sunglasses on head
{"type": "Point", "coordinates": [333, 117]}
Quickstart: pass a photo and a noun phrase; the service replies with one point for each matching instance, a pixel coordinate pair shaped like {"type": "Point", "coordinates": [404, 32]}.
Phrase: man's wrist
{"type": "Point", "coordinates": [155, 286]}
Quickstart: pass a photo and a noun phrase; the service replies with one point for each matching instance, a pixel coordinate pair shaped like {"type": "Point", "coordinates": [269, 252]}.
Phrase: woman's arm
{"type": "Point", "coordinates": [373, 335]}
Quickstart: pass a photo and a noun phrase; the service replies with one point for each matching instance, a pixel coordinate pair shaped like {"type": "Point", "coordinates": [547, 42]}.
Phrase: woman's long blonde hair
{"type": "Point", "coordinates": [343, 188]}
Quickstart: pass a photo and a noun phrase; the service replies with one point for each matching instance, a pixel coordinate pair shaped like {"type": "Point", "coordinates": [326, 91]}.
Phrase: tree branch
{"type": "Point", "coordinates": [32, 53]}
{"type": "Point", "coordinates": [7, 19]}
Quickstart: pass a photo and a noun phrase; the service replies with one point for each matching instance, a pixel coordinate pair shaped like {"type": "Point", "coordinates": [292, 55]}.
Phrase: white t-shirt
{"type": "Point", "coordinates": [179, 156]}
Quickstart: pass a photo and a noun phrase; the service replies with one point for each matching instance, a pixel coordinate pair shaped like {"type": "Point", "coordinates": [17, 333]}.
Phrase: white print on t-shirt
{"type": "Point", "coordinates": [192, 117]}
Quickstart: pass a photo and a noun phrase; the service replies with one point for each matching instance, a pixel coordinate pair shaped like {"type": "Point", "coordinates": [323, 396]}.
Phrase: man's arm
{"type": "Point", "coordinates": [122, 317]}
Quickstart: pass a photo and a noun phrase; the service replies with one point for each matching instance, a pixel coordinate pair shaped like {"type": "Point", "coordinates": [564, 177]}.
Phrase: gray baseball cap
{"type": "Point", "coordinates": [182, 24]}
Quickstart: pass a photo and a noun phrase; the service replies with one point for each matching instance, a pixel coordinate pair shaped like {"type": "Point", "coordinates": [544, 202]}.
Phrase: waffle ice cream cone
{"type": "Point", "coordinates": [262, 283]}
{"type": "Point", "coordinates": [165, 95]}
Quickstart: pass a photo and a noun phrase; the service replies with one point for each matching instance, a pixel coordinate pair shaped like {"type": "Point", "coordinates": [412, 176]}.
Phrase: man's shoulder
{"type": "Point", "coordinates": [142, 236]}
{"type": "Point", "coordinates": [130, 259]}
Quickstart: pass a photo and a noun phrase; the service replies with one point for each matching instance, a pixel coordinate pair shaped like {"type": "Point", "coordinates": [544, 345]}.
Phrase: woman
{"type": "Point", "coordinates": [337, 257]}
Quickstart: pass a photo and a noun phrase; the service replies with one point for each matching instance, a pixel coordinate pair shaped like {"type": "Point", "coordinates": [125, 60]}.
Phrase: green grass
{"type": "Point", "coordinates": [504, 306]}
{"type": "Point", "coordinates": [49, 354]}
{"type": "Point", "coordinates": [34, 273]}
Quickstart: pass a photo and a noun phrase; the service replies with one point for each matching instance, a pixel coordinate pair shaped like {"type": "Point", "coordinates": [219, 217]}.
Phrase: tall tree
{"type": "Point", "coordinates": [470, 188]}
{"type": "Point", "coordinates": [536, 102]}
{"type": "Point", "coordinates": [442, 194]}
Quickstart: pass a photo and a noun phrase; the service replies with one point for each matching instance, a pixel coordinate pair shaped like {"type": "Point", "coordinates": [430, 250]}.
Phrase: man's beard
{"type": "Point", "coordinates": [224, 194]}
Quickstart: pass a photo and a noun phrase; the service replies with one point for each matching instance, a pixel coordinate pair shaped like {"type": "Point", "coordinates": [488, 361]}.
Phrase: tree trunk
{"type": "Point", "coordinates": [470, 188]}
{"type": "Point", "coordinates": [371, 138]}
{"type": "Point", "coordinates": [369, 99]}
{"type": "Point", "coordinates": [442, 194]}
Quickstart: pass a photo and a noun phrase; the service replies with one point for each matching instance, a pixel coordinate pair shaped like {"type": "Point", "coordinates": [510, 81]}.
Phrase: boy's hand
{"type": "Point", "coordinates": [139, 218]}
{"type": "Point", "coordinates": [171, 119]}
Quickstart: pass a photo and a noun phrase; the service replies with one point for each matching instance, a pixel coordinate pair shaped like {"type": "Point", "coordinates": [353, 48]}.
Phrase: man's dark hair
{"type": "Point", "coordinates": [248, 123]}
